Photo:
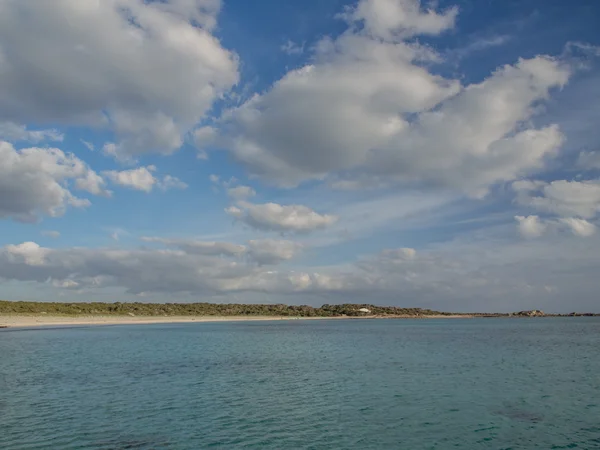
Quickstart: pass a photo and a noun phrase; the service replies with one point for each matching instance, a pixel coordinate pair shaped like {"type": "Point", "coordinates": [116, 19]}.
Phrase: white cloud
{"type": "Point", "coordinates": [282, 218]}
{"type": "Point", "coordinates": [368, 107]}
{"type": "Point", "coordinates": [261, 251]}
{"type": "Point", "coordinates": [10, 131]}
{"type": "Point", "coordinates": [470, 273]}
{"type": "Point", "coordinates": [110, 149]}
{"type": "Point", "coordinates": [530, 226]}
{"type": "Point", "coordinates": [204, 137]}
{"type": "Point", "coordinates": [231, 187]}
{"type": "Point", "coordinates": [579, 227]}
{"type": "Point", "coordinates": [478, 44]}
{"type": "Point", "coordinates": [399, 19]}
{"type": "Point", "coordinates": [51, 233]}
{"type": "Point", "coordinates": [399, 254]}
{"type": "Point", "coordinates": [291, 48]}
{"type": "Point", "coordinates": [148, 71]}
{"type": "Point", "coordinates": [139, 270]}
{"type": "Point", "coordinates": [92, 183]}
{"type": "Point", "coordinates": [200, 247]}
{"type": "Point", "coordinates": [28, 253]}
{"type": "Point", "coordinates": [572, 201]}
{"type": "Point", "coordinates": [65, 284]}
{"type": "Point", "coordinates": [171, 182]}
{"type": "Point", "coordinates": [88, 145]}
{"type": "Point", "coordinates": [589, 160]}
{"type": "Point", "coordinates": [35, 182]}
{"type": "Point", "coordinates": [561, 197]}
{"type": "Point", "coordinates": [241, 192]}
{"type": "Point", "coordinates": [142, 179]}
{"type": "Point", "coordinates": [272, 251]}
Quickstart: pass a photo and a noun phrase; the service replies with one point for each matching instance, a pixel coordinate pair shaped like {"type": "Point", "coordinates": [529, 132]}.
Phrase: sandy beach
{"type": "Point", "coordinates": [40, 320]}
{"type": "Point", "coordinates": [46, 320]}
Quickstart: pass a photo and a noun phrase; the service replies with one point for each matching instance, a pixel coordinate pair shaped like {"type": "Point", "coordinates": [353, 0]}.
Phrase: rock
{"type": "Point", "coordinates": [131, 314]}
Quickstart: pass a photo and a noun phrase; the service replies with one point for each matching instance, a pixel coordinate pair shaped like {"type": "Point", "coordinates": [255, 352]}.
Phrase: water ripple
{"type": "Point", "coordinates": [478, 384]}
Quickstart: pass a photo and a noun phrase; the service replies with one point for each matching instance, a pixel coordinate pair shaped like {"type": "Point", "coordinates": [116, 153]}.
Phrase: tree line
{"type": "Point", "coordinates": [207, 309]}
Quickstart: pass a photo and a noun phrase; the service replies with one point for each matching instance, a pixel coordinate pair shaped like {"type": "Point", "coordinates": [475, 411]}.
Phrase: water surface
{"type": "Point", "coordinates": [327, 384]}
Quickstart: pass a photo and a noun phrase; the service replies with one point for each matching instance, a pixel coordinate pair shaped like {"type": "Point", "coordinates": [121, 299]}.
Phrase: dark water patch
{"type": "Point", "coordinates": [123, 444]}
{"type": "Point", "coordinates": [520, 414]}
{"type": "Point", "coordinates": [516, 411]}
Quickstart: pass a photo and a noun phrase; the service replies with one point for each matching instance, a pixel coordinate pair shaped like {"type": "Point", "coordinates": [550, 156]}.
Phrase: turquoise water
{"type": "Point", "coordinates": [330, 384]}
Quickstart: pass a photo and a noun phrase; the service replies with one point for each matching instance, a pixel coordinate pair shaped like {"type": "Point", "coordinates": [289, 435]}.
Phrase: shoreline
{"type": "Point", "coordinates": [39, 320]}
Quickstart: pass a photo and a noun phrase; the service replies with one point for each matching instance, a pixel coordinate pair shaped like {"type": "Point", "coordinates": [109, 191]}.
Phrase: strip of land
{"type": "Point", "coordinates": [36, 314]}
{"type": "Point", "coordinates": [30, 314]}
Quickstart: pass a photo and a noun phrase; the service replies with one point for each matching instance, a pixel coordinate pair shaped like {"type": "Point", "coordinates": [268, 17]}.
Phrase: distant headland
{"type": "Point", "coordinates": [19, 313]}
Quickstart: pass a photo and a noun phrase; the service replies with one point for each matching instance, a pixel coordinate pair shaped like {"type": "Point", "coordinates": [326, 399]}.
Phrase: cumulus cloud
{"type": "Point", "coordinates": [473, 273]}
{"type": "Point", "coordinates": [171, 182]}
{"type": "Point", "coordinates": [261, 251]}
{"type": "Point", "coordinates": [234, 190]}
{"type": "Point", "coordinates": [28, 253]}
{"type": "Point", "coordinates": [241, 192]}
{"type": "Point", "coordinates": [272, 251]}
{"type": "Point", "coordinates": [204, 137]}
{"type": "Point", "coordinates": [134, 270]}
{"type": "Point", "coordinates": [199, 269]}
{"type": "Point", "coordinates": [368, 107]}
{"type": "Point", "coordinates": [560, 197]}
{"type": "Point", "coordinates": [93, 183]}
{"type": "Point", "coordinates": [147, 71]}
{"type": "Point", "coordinates": [186, 266]}
{"type": "Point", "coordinates": [588, 160]}
{"type": "Point", "coordinates": [398, 254]}
{"type": "Point", "coordinates": [282, 218]}
{"type": "Point", "coordinates": [200, 247]}
{"type": "Point", "coordinates": [579, 227]}
{"type": "Point", "coordinates": [530, 226]}
{"type": "Point", "coordinates": [570, 204]}
{"type": "Point", "coordinates": [399, 19]}
{"type": "Point", "coordinates": [65, 284]}
{"type": "Point", "coordinates": [37, 181]}
{"type": "Point", "coordinates": [12, 132]}
{"type": "Point", "coordinates": [142, 179]}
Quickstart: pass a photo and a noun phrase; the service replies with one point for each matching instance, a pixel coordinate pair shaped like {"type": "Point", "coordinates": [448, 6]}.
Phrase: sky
{"type": "Point", "coordinates": [439, 155]}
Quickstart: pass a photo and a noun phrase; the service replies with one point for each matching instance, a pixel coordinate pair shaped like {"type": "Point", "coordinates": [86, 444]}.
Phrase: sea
{"type": "Point", "coordinates": [531, 383]}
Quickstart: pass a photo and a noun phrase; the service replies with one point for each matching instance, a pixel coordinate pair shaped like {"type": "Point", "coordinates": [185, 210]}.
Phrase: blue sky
{"type": "Point", "coordinates": [381, 151]}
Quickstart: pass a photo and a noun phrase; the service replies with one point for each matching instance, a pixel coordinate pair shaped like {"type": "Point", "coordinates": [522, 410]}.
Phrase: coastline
{"type": "Point", "coordinates": [39, 320]}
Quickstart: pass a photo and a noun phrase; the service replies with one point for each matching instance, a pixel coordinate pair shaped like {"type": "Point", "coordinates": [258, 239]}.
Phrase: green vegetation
{"type": "Point", "coordinates": [205, 309]}
{"type": "Point", "coordinates": [233, 309]}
